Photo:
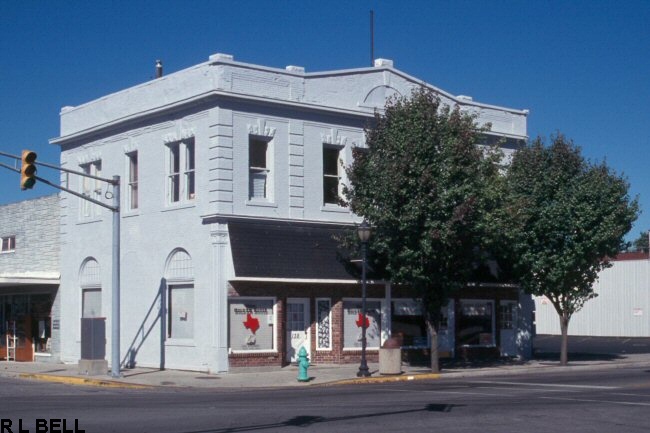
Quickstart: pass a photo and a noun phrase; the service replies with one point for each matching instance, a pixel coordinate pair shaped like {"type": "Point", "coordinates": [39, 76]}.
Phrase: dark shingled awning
{"type": "Point", "coordinates": [270, 249]}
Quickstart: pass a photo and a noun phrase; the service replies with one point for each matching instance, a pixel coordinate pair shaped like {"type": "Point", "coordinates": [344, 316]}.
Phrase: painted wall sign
{"type": "Point", "coordinates": [637, 312]}
{"type": "Point", "coordinates": [251, 324]}
{"type": "Point", "coordinates": [353, 319]}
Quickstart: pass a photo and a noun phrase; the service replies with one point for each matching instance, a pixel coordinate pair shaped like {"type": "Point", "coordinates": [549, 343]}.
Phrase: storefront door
{"type": "Point", "coordinates": [297, 334]}
{"type": "Point", "coordinates": [446, 331]}
{"type": "Point", "coordinates": [15, 321]}
{"type": "Point", "coordinates": [507, 327]}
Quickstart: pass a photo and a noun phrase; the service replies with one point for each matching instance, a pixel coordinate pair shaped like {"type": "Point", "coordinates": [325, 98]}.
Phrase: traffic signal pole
{"type": "Point", "coordinates": [115, 269]}
{"type": "Point", "coordinates": [115, 277]}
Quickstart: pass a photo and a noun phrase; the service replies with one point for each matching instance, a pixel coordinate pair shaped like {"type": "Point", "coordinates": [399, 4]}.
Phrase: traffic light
{"type": "Point", "coordinates": [28, 170]}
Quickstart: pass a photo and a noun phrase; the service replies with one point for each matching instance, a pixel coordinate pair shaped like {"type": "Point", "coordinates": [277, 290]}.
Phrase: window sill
{"type": "Point", "coordinates": [7, 252]}
{"type": "Point", "coordinates": [180, 342]}
{"type": "Point", "coordinates": [334, 208]}
{"type": "Point", "coordinates": [252, 352]}
{"type": "Point", "coordinates": [477, 345]}
{"type": "Point", "coordinates": [178, 206]}
{"type": "Point", "coordinates": [89, 221]}
{"type": "Point", "coordinates": [261, 203]}
{"type": "Point", "coordinates": [358, 349]}
{"type": "Point", "coordinates": [131, 214]}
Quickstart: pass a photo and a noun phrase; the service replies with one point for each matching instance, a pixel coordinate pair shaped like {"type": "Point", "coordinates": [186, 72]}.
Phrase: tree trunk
{"type": "Point", "coordinates": [564, 345]}
{"type": "Point", "coordinates": [435, 366]}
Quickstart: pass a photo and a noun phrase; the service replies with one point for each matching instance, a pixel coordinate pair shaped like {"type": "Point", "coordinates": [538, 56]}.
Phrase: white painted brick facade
{"type": "Point", "coordinates": [219, 104]}
{"type": "Point", "coordinates": [35, 224]}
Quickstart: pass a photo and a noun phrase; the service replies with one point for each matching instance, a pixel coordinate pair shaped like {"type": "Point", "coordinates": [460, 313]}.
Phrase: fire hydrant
{"type": "Point", "coordinates": [303, 365]}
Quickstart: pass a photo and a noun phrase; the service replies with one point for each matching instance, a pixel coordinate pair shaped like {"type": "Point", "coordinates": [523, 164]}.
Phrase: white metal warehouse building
{"type": "Point", "coordinates": [621, 309]}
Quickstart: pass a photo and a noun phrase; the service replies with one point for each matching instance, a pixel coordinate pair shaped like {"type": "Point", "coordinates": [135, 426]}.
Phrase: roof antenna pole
{"type": "Point", "coordinates": [372, 38]}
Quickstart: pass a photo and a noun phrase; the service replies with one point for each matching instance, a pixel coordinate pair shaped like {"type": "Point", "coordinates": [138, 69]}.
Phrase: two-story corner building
{"type": "Point", "coordinates": [231, 174]}
{"type": "Point", "coordinates": [29, 280]}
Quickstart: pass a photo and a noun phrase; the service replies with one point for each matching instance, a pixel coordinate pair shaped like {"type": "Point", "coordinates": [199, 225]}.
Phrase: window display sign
{"type": "Point", "coordinates": [475, 324]}
{"type": "Point", "coordinates": [407, 307]}
{"type": "Point", "coordinates": [324, 330]}
{"type": "Point", "coordinates": [353, 320]}
{"type": "Point", "coordinates": [408, 324]}
{"type": "Point", "coordinates": [251, 324]}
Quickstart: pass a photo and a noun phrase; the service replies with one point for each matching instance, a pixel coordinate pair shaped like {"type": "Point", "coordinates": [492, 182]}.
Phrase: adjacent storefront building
{"type": "Point", "coordinates": [29, 280]}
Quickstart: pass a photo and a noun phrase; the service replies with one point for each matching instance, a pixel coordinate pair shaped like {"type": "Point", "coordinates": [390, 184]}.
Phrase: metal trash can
{"type": "Point", "coordinates": [390, 357]}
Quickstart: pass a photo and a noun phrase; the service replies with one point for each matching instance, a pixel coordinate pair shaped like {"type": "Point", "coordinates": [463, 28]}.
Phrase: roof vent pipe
{"type": "Point", "coordinates": [159, 71]}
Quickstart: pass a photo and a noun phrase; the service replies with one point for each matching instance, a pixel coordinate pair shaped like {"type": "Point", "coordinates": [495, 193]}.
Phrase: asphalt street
{"type": "Point", "coordinates": [616, 400]}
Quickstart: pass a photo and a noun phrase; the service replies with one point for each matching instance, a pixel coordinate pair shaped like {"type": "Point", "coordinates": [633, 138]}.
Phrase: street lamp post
{"type": "Point", "coordinates": [364, 234]}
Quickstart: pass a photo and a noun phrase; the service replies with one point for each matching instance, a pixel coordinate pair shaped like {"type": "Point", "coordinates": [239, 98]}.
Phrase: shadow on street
{"type": "Point", "coordinates": [308, 420]}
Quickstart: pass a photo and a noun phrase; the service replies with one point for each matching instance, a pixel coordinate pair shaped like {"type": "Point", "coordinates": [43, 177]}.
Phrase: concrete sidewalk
{"type": "Point", "coordinates": [319, 374]}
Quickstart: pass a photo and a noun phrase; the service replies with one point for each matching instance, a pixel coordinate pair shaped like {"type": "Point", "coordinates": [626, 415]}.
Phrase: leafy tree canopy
{"type": "Point", "coordinates": [422, 185]}
{"type": "Point", "coordinates": [565, 217]}
{"type": "Point", "coordinates": [640, 243]}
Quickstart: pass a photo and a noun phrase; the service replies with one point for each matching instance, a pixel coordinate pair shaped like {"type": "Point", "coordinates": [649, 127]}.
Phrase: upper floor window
{"type": "Point", "coordinates": [332, 175]}
{"type": "Point", "coordinates": [8, 244]}
{"type": "Point", "coordinates": [259, 169]}
{"type": "Point", "coordinates": [180, 171]}
{"type": "Point", "coordinates": [133, 180]}
{"type": "Point", "coordinates": [91, 188]}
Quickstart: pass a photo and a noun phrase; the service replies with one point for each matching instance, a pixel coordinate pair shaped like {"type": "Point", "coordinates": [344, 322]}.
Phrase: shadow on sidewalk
{"type": "Point", "coordinates": [456, 364]}
{"type": "Point", "coordinates": [577, 356]}
{"type": "Point", "coordinates": [538, 356]}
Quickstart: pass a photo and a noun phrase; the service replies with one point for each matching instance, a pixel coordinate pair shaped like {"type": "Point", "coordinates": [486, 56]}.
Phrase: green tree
{"type": "Point", "coordinates": [641, 243]}
{"type": "Point", "coordinates": [565, 216]}
{"type": "Point", "coordinates": [421, 184]}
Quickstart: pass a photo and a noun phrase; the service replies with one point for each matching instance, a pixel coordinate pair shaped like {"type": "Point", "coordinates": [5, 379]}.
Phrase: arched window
{"type": "Point", "coordinates": [179, 266]}
{"type": "Point", "coordinates": [179, 274]}
{"type": "Point", "coordinates": [91, 288]}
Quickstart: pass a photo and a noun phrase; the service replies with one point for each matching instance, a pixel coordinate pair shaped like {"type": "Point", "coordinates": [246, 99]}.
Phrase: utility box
{"type": "Point", "coordinates": [93, 346]}
{"type": "Point", "coordinates": [390, 357]}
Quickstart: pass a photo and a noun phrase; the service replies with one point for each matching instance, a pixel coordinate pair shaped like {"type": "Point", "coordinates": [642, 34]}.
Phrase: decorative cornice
{"type": "Point", "coordinates": [334, 138]}
{"type": "Point", "coordinates": [219, 233]}
{"type": "Point", "coordinates": [130, 146]}
{"type": "Point", "coordinates": [88, 157]}
{"type": "Point", "coordinates": [183, 131]}
{"type": "Point", "coordinates": [261, 129]}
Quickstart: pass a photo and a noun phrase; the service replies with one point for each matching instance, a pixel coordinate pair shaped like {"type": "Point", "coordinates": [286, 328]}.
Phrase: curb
{"type": "Point", "coordinates": [386, 379]}
{"type": "Point", "coordinates": [447, 374]}
{"type": "Point", "coordinates": [82, 381]}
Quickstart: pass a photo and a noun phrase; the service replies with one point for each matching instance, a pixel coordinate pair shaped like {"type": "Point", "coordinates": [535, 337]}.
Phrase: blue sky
{"type": "Point", "coordinates": [580, 67]}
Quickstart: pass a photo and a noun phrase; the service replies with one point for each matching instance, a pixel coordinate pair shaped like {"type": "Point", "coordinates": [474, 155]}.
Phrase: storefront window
{"type": "Point", "coordinates": [28, 318]}
{"type": "Point", "coordinates": [15, 315]}
{"type": "Point", "coordinates": [41, 323]}
{"type": "Point", "coordinates": [324, 328]}
{"type": "Point", "coordinates": [408, 324]}
{"type": "Point", "coordinates": [252, 324]}
{"type": "Point", "coordinates": [476, 323]}
{"type": "Point", "coordinates": [353, 320]}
